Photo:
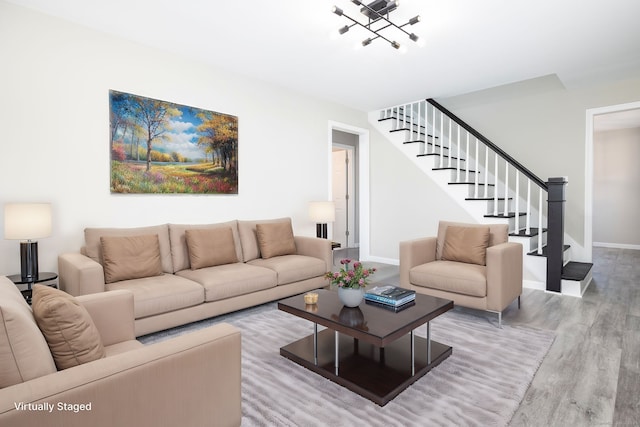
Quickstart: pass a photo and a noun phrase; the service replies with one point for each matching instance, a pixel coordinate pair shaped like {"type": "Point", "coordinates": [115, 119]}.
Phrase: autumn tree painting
{"type": "Point", "coordinates": [162, 147]}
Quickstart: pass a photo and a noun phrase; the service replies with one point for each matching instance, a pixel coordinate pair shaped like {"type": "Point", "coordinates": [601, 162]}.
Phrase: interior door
{"type": "Point", "coordinates": [342, 196]}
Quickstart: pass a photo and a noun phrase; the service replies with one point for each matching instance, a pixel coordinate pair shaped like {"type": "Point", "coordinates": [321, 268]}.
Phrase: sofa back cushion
{"type": "Point", "coordinates": [498, 233]}
{"type": "Point", "coordinates": [209, 247]}
{"type": "Point", "coordinates": [275, 239]}
{"type": "Point", "coordinates": [93, 246]}
{"type": "Point", "coordinates": [180, 250]}
{"type": "Point", "coordinates": [67, 326]}
{"type": "Point", "coordinates": [249, 238]}
{"type": "Point", "coordinates": [24, 353]}
{"type": "Point", "coordinates": [130, 257]}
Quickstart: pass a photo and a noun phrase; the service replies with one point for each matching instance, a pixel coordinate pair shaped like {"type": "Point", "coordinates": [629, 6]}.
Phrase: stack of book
{"type": "Point", "coordinates": [390, 297]}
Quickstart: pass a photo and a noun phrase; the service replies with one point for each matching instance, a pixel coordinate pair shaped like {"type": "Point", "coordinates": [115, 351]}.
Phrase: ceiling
{"type": "Point", "coordinates": [466, 45]}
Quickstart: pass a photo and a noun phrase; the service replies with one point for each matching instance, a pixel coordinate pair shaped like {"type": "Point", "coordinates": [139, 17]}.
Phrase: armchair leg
{"type": "Point", "coordinates": [500, 319]}
{"type": "Point", "coordinates": [518, 302]}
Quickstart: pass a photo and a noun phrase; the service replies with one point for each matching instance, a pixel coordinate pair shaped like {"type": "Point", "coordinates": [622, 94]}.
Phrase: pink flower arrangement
{"type": "Point", "coordinates": [355, 278]}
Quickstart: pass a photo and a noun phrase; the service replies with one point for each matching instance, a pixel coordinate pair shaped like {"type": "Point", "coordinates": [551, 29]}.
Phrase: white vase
{"type": "Point", "coordinates": [351, 297]}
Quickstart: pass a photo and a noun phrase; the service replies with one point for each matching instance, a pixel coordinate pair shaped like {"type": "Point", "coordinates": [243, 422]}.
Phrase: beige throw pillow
{"type": "Point", "coordinates": [130, 257]}
{"type": "Point", "coordinates": [466, 244]}
{"type": "Point", "coordinates": [210, 246]}
{"type": "Point", "coordinates": [275, 239]}
{"type": "Point", "coordinates": [67, 327]}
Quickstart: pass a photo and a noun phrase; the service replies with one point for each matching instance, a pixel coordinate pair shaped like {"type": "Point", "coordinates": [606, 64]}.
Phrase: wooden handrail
{"type": "Point", "coordinates": [490, 144]}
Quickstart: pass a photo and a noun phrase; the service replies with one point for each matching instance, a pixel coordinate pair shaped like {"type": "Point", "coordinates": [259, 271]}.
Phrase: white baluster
{"type": "Point", "coordinates": [540, 221]}
{"type": "Point", "coordinates": [458, 161]}
{"type": "Point", "coordinates": [477, 172]}
{"type": "Point", "coordinates": [441, 138]}
{"type": "Point", "coordinates": [506, 188]}
{"type": "Point", "coordinates": [495, 187]}
{"type": "Point", "coordinates": [529, 202]}
{"type": "Point", "coordinates": [433, 129]}
{"type": "Point", "coordinates": [486, 171]}
{"type": "Point", "coordinates": [419, 118]}
{"type": "Point", "coordinates": [450, 151]}
{"type": "Point", "coordinates": [517, 199]}
{"type": "Point", "coordinates": [466, 156]}
{"type": "Point", "coordinates": [411, 123]}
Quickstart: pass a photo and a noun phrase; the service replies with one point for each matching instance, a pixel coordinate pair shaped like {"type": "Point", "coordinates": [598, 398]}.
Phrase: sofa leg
{"type": "Point", "coordinates": [500, 319]}
{"type": "Point", "coordinates": [518, 302]}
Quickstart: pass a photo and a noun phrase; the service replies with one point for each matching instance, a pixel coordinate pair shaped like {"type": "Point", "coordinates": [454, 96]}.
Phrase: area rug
{"type": "Point", "coordinates": [481, 384]}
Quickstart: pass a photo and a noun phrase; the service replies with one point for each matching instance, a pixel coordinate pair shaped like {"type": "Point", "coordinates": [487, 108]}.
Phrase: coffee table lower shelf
{"type": "Point", "coordinates": [378, 374]}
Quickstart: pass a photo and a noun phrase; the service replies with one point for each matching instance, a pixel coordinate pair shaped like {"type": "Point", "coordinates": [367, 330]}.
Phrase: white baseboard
{"type": "Point", "coordinates": [382, 260]}
{"type": "Point", "coordinates": [616, 245]}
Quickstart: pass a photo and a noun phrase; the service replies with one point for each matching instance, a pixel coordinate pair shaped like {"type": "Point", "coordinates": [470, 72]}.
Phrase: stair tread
{"type": "Point", "coordinates": [470, 183]}
{"type": "Point", "coordinates": [533, 231]}
{"type": "Point", "coordinates": [544, 251]}
{"type": "Point", "coordinates": [451, 168]}
{"type": "Point", "coordinates": [502, 215]}
{"type": "Point", "coordinates": [485, 199]}
{"type": "Point", "coordinates": [576, 270]}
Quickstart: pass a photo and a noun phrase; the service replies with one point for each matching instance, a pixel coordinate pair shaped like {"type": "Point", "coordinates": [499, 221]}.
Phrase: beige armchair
{"type": "Point", "coordinates": [189, 380]}
{"type": "Point", "coordinates": [472, 264]}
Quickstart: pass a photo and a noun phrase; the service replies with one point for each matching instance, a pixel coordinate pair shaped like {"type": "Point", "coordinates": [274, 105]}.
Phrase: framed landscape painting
{"type": "Point", "coordinates": [161, 147]}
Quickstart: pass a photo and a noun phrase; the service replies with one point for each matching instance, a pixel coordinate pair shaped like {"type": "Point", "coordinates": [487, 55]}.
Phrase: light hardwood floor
{"type": "Point", "coordinates": [591, 375]}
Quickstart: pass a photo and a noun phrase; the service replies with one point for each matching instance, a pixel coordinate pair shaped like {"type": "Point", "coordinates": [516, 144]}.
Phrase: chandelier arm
{"type": "Point", "coordinates": [378, 35]}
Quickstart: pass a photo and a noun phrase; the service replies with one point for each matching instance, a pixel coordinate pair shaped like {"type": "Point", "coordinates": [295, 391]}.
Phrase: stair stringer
{"type": "Point", "coordinates": [534, 268]}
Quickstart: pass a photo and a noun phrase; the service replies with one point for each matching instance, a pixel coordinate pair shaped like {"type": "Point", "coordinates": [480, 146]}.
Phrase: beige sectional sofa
{"type": "Point", "coordinates": [198, 270]}
{"type": "Point", "coordinates": [189, 380]}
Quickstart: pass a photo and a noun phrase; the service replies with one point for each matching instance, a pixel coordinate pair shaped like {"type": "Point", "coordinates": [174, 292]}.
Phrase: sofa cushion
{"type": "Point", "coordinates": [93, 247]}
{"type": "Point", "coordinates": [210, 247]}
{"type": "Point", "coordinates": [451, 276]}
{"type": "Point", "coordinates": [179, 249]}
{"type": "Point", "coordinates": [24, 353]}
{"type": "Point", "coordinates": [466, 244]}
{"type": "Point", "coordinates": [230, 280]}
{"type": "Point", "coordinates": [130, 257]}
{"type": "Point", "coordinates": [67, 326]}
{"type": "Point", "coordinates": [160, 294]}
{"type": "Point", "coordinates": [248, 238]}
{"type": "Point", "coordinates": [498, 233]}
{"type": "Point", "coordinates": [293, 268]}
{"type": "Point", "coordinates": [275, 239]}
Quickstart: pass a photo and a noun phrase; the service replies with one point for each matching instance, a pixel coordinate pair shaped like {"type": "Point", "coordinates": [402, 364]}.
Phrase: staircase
{"type": "Point", "coordinates": [491, 186]}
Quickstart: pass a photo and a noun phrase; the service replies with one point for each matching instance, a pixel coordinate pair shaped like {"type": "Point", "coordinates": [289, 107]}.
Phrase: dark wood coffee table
{"type": "Point", "coordinates": [370, 350]}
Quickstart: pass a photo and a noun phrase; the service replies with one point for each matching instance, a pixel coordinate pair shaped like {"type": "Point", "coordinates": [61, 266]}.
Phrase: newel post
{"type": "Point", "coordinates": [555, 232]}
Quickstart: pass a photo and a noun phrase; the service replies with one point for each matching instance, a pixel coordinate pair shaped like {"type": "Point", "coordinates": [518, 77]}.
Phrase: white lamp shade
{"type": "Point", "coordinates": [26, 221]}
{"type": "Point", "coordinates": [322, 212]}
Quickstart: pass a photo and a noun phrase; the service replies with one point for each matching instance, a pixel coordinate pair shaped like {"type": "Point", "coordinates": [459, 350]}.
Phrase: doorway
{"type": "Point", "coordinates": [348, 152]}
{"type": "Point", "coordinates": [594, 117]}
{"type": "Point", "coordinates": [344, 190]}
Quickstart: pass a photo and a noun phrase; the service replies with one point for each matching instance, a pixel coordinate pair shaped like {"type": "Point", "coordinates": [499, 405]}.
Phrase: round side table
{"type": "Point", "coordinates": [26, 290]}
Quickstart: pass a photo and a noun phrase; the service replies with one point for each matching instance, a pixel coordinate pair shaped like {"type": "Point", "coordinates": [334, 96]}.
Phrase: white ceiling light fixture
{"type": "Point", "coordinates": [377, 14]}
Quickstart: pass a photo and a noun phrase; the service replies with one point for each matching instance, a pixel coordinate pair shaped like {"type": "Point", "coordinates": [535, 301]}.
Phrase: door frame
{"type": "Point", "coordinates": [588, 181]}
{"type": "Point", "coordinates": [363, 179]}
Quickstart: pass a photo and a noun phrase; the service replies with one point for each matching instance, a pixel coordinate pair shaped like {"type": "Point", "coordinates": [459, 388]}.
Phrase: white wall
{"type": "Point", "coordinates": [54, 83]}
{"type": "Point", "coordinates": [405, 203]}
{"type": "Point", "coordinates": [616, 187]}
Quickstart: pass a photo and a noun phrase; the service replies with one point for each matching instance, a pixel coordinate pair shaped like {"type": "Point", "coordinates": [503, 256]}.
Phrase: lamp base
{"type": "Point", "coordinates": [29, 261]}
{"type": "Point", "coordinates": [321, 231]}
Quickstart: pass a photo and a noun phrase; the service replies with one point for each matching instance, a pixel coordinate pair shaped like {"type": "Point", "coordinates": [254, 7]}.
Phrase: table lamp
{"type": "Point", "coordinates": [26, 222]}
{"type": "Point", "coordinates": [321, 213]}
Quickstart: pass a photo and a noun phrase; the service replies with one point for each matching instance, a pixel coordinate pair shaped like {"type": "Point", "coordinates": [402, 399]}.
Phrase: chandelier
{"type": "Point", "coordinates": [377, 14]}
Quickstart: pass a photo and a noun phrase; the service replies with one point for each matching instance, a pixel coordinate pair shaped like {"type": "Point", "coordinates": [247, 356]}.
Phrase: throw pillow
{"type": "Point", "coordinates": [130, 257]}
{"type": "Point", "coordinates": [466, 244]}
{"type": "Point", "coordinates": [275, 239]}
{"type": "Point", "coordinates": [67, 327]}
{"type": "Point", "coordinates": [210, 246]}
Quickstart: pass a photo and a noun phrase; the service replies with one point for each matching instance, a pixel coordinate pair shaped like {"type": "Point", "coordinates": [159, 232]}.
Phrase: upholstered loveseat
{"type": "Point", "coordinates": [183, 273]}
{"type": "Point", "coordinates": [190, 380]}
{"type": "Point", "coordinates": [472, 264]}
